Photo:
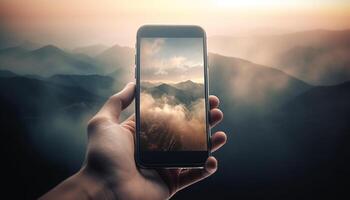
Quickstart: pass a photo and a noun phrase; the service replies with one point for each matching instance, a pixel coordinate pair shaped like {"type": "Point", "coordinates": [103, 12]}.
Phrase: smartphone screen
{"type": "Point", "coordinates": [172, 94]}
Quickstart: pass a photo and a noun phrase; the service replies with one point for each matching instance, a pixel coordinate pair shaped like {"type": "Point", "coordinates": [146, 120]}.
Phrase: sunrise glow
{"type": "Point", "coordinates": [116, 21]}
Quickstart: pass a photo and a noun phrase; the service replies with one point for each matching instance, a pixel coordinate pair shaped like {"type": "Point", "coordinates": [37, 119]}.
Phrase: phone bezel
{"type": "Point", "coordinates": [170, 159]}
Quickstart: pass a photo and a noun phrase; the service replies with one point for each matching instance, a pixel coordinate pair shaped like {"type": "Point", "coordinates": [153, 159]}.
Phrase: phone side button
{"type": "Point", "coordinates": [135, 72]}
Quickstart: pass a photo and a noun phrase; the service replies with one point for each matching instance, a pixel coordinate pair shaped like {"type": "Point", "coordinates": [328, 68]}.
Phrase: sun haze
{"type": "Point", "coordinates": [68, 24]}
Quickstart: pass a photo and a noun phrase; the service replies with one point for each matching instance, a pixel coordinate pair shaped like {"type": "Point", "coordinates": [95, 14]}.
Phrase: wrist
{"type": "Point", "coordinates": [82, 185]}
{"type": "Point", "coordinates": [94, 186]}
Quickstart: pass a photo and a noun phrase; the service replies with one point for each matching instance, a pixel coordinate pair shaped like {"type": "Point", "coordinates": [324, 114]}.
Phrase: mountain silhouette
{"type": "Point", "coordinates": [319, 57]}
{"type": "Point", "coordinates": [53, 57]}
{"type": "Point", "coordinates": [117, 57]}
{"type": "Point", "coordinates": [45, 61]}
{"type": "Point", "coordinates": [297, 135]}
{"type": "Point", "coordinates": [251, 88]}
{"type": "Point", "coordinates": [147, 84]}
{"type": "Point", "coordinates": [189, 85]}
{"type": "Point", "coordinates": [91, 50]}
{"type": "Point", "coordinates": [42, 96]}
{"type": "Point", "coordinates": [11, 51]}
{"type": "Point", "coordinates": [182, 96]}
{"type": "Point", "coordinates": [7, 74]}
{"type": "Point", "coordinates": [287, 135]}
{"type": "Point", "coordinates": [39, 120]}
{"type": "Point", "coordinates": [317, 65]}
{"type": "Point", "coordinates": [47, 51]}
{"type": "Point", "coordinates": [316, 125]}
{"type": "Point", "coordinates": [96, 84]}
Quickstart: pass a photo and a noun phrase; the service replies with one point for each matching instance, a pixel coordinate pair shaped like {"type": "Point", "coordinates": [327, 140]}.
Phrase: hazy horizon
{"type": "Point", "coordinates": [116, 22]}
{"type": "Point", "coordinates": [282, 78]}
{"type": "Point", "coordinates": [69, 47]}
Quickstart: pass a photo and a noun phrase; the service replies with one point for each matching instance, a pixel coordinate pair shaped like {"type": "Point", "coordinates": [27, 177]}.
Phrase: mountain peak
{"type": "Point", "coordinates": [48, 50]}
{"type": "Point", "coordinates": [163, 85]}
{"type": "Point", "coordinates": [189, 85]}
{"type": "Point", "coordinates": [188, 81]}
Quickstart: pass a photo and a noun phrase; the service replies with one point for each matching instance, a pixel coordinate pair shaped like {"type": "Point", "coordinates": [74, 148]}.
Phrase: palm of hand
{"type": "Point", "coordinates": [111, 155]}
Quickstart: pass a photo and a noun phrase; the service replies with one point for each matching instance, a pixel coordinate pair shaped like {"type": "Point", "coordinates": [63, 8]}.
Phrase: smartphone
{"type": "Point", "coordinates": [171, 98]}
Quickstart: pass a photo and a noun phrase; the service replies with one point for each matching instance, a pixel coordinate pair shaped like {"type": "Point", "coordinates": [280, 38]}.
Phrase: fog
{"type": "Point", "coordinates": [172, 126]}
{"type": "Point", "coordinates": [315, 57]}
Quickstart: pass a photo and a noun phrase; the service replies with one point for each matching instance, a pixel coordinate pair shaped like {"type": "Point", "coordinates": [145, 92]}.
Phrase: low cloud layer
{"type": "Point", "coordinates": [169, 126]}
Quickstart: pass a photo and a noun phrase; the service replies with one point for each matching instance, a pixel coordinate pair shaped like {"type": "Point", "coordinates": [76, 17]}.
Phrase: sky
{"type": "Point", "coordinates": [170, 60]}
{"type": "Point", "coordinates": [84, 22]}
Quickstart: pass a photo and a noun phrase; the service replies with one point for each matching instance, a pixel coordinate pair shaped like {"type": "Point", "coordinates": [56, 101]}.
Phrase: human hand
{"type": "Point", "coordinates": [110, 171]}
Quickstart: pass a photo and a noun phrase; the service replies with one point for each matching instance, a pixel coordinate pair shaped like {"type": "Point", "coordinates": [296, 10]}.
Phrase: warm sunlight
{"type": "Point", "coordinates": [277, 85]}
{"type": "Point", "coordinates": [116, 21]}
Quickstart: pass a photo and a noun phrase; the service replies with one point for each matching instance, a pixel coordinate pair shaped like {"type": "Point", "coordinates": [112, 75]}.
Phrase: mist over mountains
{"type": "Point", "coordinates": [184, 92]}
{"type": "Point", "coordinates": [173, 116]}
{"type": "Point", "coordinates": [90, 50]}
{"type": "Point", "coordinates": [319, 57]}
{"type": "Point", "coordinates": [288, 133]}
{"type": "Point", "coordinates": [50, 60]}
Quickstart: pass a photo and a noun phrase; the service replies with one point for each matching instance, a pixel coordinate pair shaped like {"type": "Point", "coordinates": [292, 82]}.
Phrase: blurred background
{"type": "Point", "coordinates": [280, 68]}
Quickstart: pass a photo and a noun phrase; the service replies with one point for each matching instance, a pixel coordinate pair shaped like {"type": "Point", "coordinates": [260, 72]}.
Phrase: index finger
{"type": "Point", "coordinates": [118, 102]}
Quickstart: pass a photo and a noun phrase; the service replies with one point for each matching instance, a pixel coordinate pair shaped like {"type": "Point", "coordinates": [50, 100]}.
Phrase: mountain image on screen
{"type": "Point", "coordinates": [172, 95]}
{"type": "Point", "coordinates": [172, 116]}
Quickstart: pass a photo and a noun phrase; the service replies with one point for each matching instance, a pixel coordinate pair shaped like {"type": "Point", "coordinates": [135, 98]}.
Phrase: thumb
{"type": "Point", "coordinates": [118, 102]}
{"type": "Point", "coordinates": [191, 176]}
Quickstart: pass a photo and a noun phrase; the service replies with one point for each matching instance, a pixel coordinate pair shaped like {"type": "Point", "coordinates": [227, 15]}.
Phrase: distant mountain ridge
{"type": "Point", "coordinates": [91, 50]}
{"type": "Point", "coordinates": [6, 74]}
{"type": "Point", "coordinates": [251, 86]}
{"type": "Point", "coordinates": [318, 57]}
{"type": "Point", "coordinates": [42, 96]}
{"type": "Point", "coordinates": [288, 135]}
{"type": "Point", "coordinates": [184, 92]}
{"type": "Point", "coordinates": [45, 61]}
{"type": "Point", "coordinates": [323, 98]}
{"type": "Point", "coordinates": [103, 86]}
{"type": "Point", "coordinates": [117, 57]}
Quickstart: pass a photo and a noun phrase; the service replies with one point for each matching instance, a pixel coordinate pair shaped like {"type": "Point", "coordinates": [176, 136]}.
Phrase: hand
{"type": "Point", "coordinates": [109, 170]}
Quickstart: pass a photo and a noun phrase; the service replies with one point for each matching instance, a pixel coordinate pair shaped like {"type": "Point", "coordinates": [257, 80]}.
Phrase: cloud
{"type": "Point", "coordinates": [161, 72]}
{"type": "Point", "coordinates": [171, 69]}
{"type": "Point", "coordinates": [172, 126]}
{"type": "Point", "coordinates": [163, 60]}
{"type": "Point", "coordinates": [179, 62]}
{"type": "Point", "coordinates": [152, 47]}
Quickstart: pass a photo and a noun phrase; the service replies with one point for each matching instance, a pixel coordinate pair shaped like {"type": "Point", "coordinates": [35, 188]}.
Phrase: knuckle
{"type": "Point", "coordinates": [114, 98]}
{"type": "Point", "coordinates": [95, 122]}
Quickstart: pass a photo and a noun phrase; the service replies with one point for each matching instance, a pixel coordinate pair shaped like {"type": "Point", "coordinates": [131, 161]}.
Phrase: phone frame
{"type": "Point", "coordinates": [170, 159]}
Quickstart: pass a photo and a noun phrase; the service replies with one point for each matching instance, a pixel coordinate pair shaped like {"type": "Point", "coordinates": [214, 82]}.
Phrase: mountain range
{"type": "Point", "coordinates": [50, 60]}
{"type": "Point", "coordinates": [91, 50]}
{"type": "Point", "coordinates": [185, 92]}
{"type": "Point", "coordinates": [319, 57]}
{"type": "Point", "coordinates": [294, 144]}
{"type": "Point", "coordinates": [45, 61]}
{"type": "Point", "coordinates": [287, 135]}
